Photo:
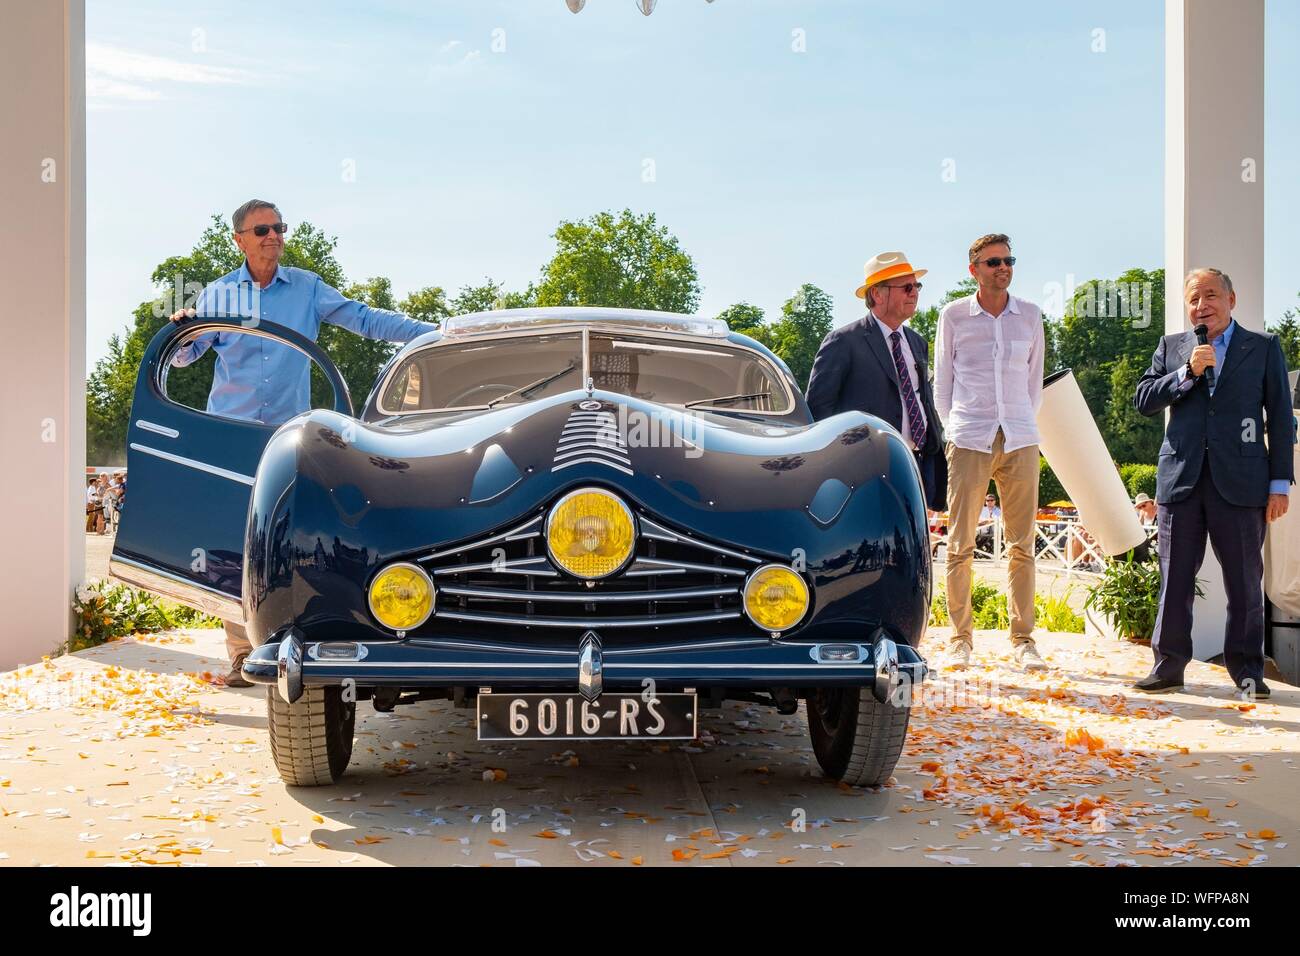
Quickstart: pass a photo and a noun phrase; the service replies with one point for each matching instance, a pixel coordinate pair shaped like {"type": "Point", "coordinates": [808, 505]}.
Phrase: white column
{"type": "Point", "coordinates": [1214, 187]}
{"type": "Point", "coordinates": [43, 323]}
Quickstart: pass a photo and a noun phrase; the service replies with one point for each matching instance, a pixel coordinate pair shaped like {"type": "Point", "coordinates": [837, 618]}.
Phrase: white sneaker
{"type": "Point", "coordinates": [958, 658]}
{"type": "Point", "coordinates": [1027, 657]}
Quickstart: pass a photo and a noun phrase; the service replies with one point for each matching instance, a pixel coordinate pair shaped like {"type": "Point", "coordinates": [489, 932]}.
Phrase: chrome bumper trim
{"type": "Point", "coordinates": [205, 599]}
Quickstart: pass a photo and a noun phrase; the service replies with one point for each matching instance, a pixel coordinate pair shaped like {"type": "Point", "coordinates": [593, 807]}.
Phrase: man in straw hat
{"type": "Point", "coordinates": [877, 366]}
{"type": "Point", "coordinates": [988, 384]}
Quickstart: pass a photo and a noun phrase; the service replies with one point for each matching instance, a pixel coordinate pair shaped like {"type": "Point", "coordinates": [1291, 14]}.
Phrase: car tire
{"type": "Point", "coordinates": [311, 739]}
{"type": "Point", "coordinates": [856, 738]}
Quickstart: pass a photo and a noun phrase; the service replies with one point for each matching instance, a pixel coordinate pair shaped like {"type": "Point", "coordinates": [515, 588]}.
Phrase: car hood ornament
{"type": "Point", "coordinates": [590, 666]}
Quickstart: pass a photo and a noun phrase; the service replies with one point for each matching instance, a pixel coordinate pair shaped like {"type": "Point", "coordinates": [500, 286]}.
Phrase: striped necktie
{"type": "Point", "coordinates": [909, 394]}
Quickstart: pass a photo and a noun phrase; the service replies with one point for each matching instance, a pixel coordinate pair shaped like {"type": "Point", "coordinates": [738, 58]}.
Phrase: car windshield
{"type": "Point", "coordinates": [687, 374]}
{"type": "Point", "coordinates": [478, 374]}
{"type": "Point", "coordinates": [516, 369]}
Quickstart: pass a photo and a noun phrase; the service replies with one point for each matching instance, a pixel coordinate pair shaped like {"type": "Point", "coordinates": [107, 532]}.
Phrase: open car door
{"type": "Point", "coordinates": [190, 476]}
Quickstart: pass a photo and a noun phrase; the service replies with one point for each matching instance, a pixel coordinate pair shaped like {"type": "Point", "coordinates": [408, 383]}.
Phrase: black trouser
{"type": "Point", "coordinates": [1237, 536]}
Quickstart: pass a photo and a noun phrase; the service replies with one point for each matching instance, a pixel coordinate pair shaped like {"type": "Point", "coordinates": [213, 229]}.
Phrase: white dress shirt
{"type": "Point", "coordinates": [910, 362]}
{"type": "Point", "coordinates": [989, 373]}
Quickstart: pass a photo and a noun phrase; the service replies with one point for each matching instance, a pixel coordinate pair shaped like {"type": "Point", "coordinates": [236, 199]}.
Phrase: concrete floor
{"type": "Point", "coordinates": [127, 754]}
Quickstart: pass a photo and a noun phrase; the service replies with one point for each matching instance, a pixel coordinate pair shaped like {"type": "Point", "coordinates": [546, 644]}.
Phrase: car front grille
{"type": "Point", "coordinates": [506, 587]}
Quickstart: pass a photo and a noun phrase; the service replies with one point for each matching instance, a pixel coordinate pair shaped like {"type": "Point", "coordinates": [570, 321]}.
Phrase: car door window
{"type": "Point", "coordinates": [238, 363]}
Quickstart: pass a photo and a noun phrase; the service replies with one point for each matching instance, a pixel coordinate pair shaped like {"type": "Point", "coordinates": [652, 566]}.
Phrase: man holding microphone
{"type": "Point", "coordinates": [1226, 391]}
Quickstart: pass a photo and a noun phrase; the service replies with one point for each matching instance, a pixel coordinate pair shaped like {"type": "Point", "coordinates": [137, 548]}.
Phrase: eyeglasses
{"type": "Point", "coordinates": [907, 287]}
{"type": "Point", "coordinates": [998, 260]}
{"type": "Point", "coordinates": [262, 230]}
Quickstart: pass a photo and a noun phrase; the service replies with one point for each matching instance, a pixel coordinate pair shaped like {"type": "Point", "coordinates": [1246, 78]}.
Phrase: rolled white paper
{"type": "Point", "coordinates": [1071, 442]}
{"type": "Point", "coordinates": [1282, 558]}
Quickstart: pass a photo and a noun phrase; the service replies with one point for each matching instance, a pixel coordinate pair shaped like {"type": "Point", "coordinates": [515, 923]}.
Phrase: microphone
{"type": "Point", "coordinates": [1202, 332]}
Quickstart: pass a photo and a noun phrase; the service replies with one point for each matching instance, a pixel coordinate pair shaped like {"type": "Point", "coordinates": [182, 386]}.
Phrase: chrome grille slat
{"type": "Point", "coordinates": [516, 533]}
{"type": "Point", "coordinates": [581, 597]}
{"type": "Point", "coordinates": [523, 620]}
{"type": "Point", "coordinates": [596, 450]}
{"type": "Point", "coordinates": [644, 566]}
{"type": "Point", "coordinates": [517, 566]}
{"type": "Point", "coordinates": [654, 529]}
{"type": "Point", "coordinates": [678, 590]}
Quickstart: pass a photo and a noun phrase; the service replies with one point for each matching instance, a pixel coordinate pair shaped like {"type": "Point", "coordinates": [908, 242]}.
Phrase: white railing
{"type": "Point", "coordinates": [1060, 544]}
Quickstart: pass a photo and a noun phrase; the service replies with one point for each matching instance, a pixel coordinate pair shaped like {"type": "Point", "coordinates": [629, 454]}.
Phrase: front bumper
{"type": "Point", "coordinates": [293, 661]}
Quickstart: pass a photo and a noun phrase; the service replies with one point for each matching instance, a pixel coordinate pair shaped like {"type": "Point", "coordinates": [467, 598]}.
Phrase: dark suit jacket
{"type": "Point", "coordinates": [1228, 427]}
{"type": "Point", "coordinates": [854, 369]}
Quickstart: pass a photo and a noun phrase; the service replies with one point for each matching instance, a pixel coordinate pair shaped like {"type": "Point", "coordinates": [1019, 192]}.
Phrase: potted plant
{"type": "Point", "coordinates": [1128, 596]}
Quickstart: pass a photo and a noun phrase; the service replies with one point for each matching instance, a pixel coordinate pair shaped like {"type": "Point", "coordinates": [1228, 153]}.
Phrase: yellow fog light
{"type": "Point", "coordinates": [775, 598]}
{"type": "Point", "coordinates": [401, 596]}
{"type": "Point", "coordinates": [590, 533]}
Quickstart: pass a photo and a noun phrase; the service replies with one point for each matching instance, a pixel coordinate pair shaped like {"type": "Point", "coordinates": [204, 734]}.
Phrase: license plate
{"type": "Point", "coordinates": [573, 717]}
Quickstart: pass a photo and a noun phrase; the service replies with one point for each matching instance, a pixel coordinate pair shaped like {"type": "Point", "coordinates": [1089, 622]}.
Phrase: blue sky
{"type": "Point", "coordinates": [475, 126]}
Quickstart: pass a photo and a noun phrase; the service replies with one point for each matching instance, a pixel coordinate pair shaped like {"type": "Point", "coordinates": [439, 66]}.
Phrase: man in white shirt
{"type": "Point", "coordinates": [987, 389]}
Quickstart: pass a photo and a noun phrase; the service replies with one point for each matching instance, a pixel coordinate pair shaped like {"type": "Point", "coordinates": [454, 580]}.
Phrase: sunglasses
{"type": "Point", "coordinates": [998, 260]}
{"type": "Point", "coordinates": [907, 287]}
{"type": "Point", "coordinates": [262, 230]}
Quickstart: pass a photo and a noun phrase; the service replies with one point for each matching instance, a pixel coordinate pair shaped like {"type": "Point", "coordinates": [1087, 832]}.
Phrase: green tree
{"type": "Point", "coordinates": [357, 358]}
{"type": "Point", "coordinates": [1288, 333]}
{"type": "Point", "coordinates": [1130, 436]}
{"type": "Point", "coordinates": [490, 296]}
{"type": "Point", "coordinates": [627, 261]}
{"type": "Point", "coordinates": [428, 305]}
{"type": "Point", "coordinates": [805, 320]}
{"type": "Point", "coordinates": [963, 288]}
{"type": "Point", "coordinates": [747, 320]}
{"type": "Point", "coordinates": [1105, 322]}
{"type": "Point", "coordinates": [926, 323]}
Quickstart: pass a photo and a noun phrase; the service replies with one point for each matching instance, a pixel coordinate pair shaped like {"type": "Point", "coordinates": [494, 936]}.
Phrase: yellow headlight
{"type": "Point", "coordinates": [775, 598]}
{"type": "Point", "coordinates": [401, 596]}
{"type": "Point", "coordinates": [590, 533]}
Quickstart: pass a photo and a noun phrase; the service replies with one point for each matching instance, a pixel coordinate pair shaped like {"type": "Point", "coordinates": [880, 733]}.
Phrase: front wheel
{"type": "Point", "coordinates": [855, 737]}
{"type": "Point", "coordinates": [311, 739]}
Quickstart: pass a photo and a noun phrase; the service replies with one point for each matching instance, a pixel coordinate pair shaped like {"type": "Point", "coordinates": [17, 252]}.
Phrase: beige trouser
{"type": "Point", "coordinates": [1016, 475]}
{"type": "Point", "coordinates": [237, 643]}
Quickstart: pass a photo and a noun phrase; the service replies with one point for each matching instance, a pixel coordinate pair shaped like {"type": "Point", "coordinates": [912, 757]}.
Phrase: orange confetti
{"type": "Point", "coordinates": [547, 835]}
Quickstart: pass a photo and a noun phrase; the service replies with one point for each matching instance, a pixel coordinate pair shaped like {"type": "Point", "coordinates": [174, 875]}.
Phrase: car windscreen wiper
{"type": "Point", "coordinates": [534, 386]}
{"type": "Point", "coordinates": [727, 398]}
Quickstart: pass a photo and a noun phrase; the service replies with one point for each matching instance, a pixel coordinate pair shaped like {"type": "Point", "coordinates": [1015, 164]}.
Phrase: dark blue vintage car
{"type": "Point", "coordinates": [585, 523]}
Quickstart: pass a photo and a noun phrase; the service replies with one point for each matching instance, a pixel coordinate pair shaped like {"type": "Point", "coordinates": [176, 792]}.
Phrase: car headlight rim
{"type": "Point", "coordinates": [420, 573]}
{"type": "Point", "coordinates": [804, 591]}
{"type": "Point", "coordinates": [633, 531]}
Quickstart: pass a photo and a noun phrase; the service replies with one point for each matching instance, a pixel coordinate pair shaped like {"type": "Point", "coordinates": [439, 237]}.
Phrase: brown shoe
{"type": "Point", "coordinates": [236, 676]}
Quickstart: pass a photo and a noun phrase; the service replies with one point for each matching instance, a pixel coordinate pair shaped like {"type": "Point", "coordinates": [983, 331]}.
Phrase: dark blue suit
{"type": "Point", "coordinates": [854, 369]}
{"type": "Point", "coordinates": [1213, 478]}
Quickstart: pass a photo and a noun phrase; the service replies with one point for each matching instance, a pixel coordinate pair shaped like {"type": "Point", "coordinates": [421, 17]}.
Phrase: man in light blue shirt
{"type": "Point", "coordinates": [260, 379]}
{"type": "Point", "coordinates": [257, 378]}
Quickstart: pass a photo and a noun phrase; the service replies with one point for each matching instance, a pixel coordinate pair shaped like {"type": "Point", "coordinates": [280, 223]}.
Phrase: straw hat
{"type": "Point", "coordinates": [886, 265]}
